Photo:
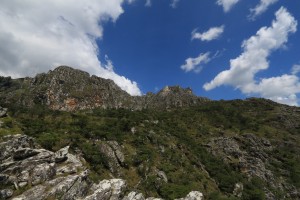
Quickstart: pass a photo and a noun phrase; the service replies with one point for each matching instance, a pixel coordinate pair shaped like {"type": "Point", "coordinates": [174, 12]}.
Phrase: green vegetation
{"type": "Point", "coordinates": [170, 141]}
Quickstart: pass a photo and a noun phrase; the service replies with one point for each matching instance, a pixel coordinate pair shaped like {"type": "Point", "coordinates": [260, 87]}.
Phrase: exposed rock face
{"type": "Point", "coordinates": [194, 195]}
{"type": "Point", "coordinates": [249, 154]}
{"type": "Point", "coordinates": [44, 174]}
{"type": "Point", "coordinates": [3, 112]}
{"type": "Point", "coordinates": [238, 190]}
{"type": "Point", "coordinates": [251, 162]}
{"type": "Point", "coordinates": [108, 189]}
{"type": "Point", "coordinates": [23, 163]}
{"type": "Point", "coordinates": [113, 152]}
{"type": "Point", "coordinates": [69, 89]}
{"type": "Point", "coordinates": [134, 196]}
{"type": "Point", "coordinates": [170, 97]}
{"type": "Point", "coordinates": [6, 193]}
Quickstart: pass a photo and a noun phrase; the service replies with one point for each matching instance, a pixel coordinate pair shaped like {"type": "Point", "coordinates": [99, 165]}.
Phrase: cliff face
{"type": "Point", "coordinates": [69, 89]}
{"type": "Point", "coordinates": [66, 89]}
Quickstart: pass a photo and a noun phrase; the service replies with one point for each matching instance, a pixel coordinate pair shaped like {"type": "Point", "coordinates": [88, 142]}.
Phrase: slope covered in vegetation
{"type": "Point", "coordinates": [226, 149]}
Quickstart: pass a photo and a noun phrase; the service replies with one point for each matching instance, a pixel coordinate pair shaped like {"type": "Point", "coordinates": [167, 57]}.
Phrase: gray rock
{"type": "Point", "coordinates": [6, 193]}
{"type": "Point", "coordinates": [62, 154]}
{"type": "Point", "coordinates": [3, 179]}
{"type": "Point", "coordinates": [71, 187]}
{"type": "Point", "coordinates": [238, 190]}
{"type": "Point", "coordinates": [22, 153]}
{"type": "Point", "coordinates": [3, 112]}
{"type": "Point", "coordinates": [42, 173]}
{"type": "Point", "coordinates": [72, 165]}
{"type": "Point", "coordinates": [108, 190]}
{"type": "Point", "coordinates": [13, 142]}
{"type": "Point", "coordinates": [113, 152]}
{"type": "Point", "coordinates": [134, 196]}
{"type": "Point", "coordinates": [36, 193]}
{"type": "Point", "coordinates": [163, 176]}
{"type": "Point", "coordinates": [118, 151]}
{"type": "Point", "coordinates": [193, 195]}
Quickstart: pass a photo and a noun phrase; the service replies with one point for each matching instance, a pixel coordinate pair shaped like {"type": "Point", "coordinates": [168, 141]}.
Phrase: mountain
{"type": "Point", "coordinates": [168, 145]}
{"type": "Point", "coordinates": [70, 89]}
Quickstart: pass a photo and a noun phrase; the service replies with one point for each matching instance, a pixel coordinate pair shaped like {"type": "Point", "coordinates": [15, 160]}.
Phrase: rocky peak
{"type": "Point", "coordinates": [175, 90]}
{"type": "Point", "coordinates": [173, 97]}
{"type": "Point", "coordinates": [65, 88]}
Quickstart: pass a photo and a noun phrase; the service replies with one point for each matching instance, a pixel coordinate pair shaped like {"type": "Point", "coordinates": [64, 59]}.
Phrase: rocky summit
{"type": "Point", "coordinates": [70, 89]}
{"type": "Point", "coordinates": [68, 135]}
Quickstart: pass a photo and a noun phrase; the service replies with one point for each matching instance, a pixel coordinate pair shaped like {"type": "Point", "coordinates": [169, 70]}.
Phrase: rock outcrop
{"type": "Point", "coordinates": [250, 154]}
{"type": "Point", "coordinates": [3, 112]}
{"type": "Point", "coordinates": [113, 152]}
{"type": "Point", "coordinates": [42, 174]}
{"type": "Point", "coordinates": [193, 195]}
{"type": "Point", "coordinates": [68, 89]}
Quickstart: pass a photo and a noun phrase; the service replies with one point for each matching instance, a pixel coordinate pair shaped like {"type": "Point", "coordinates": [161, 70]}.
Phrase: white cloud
{"type": "Point", "coordinates": [36, 36]}
{"type": "Point", "coordinates": [257, 49]}
{"type": "Point", "coordinates": [148, 3]}
{"type": "Point", "coordinates": [296, 69]}
{"type": "Point", "coordinates": [282, 89]}
{"type": "Point", "coordinates": [227, 4]}
{"type": "Point", "coordinates": [211, 34]}
{"type": "Point", "coordinates": [260, 8]}
{"type": "Point", "coordinates": [174, 3]}
{"type": "Point", "coordinates": [195, 64]}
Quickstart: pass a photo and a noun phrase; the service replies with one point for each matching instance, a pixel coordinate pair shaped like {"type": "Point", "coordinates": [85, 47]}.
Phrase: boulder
{"type": "Point", "coordinates": [61, 155]}
{"type": "Point", "coordinates": [134, 196]}
{"type": "Point", "coordinates": [238, 190]}
{"type": "Point", "coordinates": [193, 195]}
{"type": "Point", "coordinates": [3, 112]}
{"type": "Point", "coordinates": [22, 153]}
{"type": "Point", "coordinates": [113, 151]}
{"type": "Point", "coordinates": [163, 176]}
{"type": "Point", "coordinates": [108, 190]}
{"type": "Point", "coordinates": [6, 193]}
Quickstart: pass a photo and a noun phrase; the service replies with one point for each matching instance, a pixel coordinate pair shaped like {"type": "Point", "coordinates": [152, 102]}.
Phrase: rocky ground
{"type": "Point", "coordinates": [29, 172]}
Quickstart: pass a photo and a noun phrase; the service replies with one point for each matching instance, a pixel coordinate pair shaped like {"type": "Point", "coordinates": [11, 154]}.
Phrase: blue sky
{"type": "Point", "coordinates": [150, 44]}
{"type": "Point", "coordinates": [222, 49]}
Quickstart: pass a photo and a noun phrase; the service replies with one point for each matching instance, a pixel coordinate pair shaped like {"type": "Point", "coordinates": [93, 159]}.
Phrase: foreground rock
{"type": "Point", "coordinates": [42, 174]}
{"type": "Point", "coordinates": [3, 112]}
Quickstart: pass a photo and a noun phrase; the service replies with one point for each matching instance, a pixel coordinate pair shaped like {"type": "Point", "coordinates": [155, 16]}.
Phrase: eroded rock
{"type": "Point", "coordinates": [6, 193]}
{"type": "Point", "coordinates": [62, 154]}
{"type": "Point", "coordinates": [113, 152]}
{"type": "Point", "coordinates": [3, 112]}
{"type": "Point", "coordinates": [108, 189]}
{"type": "Point", "coordinates": [193, 195]}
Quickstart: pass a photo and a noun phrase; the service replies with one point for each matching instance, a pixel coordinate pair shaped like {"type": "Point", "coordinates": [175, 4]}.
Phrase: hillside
{"type": "Point", "coordinates": [162, 145]}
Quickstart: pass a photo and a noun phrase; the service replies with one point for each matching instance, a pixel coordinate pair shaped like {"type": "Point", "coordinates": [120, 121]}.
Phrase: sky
{"type": "Point", "coordinates": [222, 49]}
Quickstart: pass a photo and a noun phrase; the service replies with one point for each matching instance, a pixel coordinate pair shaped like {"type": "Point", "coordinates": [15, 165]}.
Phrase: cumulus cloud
{"type": "Point", "coordinates": [174, 3]}
{"type": "Point", "coordinates": [296, 69]}
{"type": "Point", "coordinates": [36, 36]}
{"type": "Point", "coordinates": [195, 64]}
{"type": "Point", "coordinates": [227, 4]}
{"type": "Point", "coordinates": [148, 3]}
{"type": "Point", "coordinates": [211, 34]}
{"type": "Point", "coordinates": [254, 59]}
{"type": "Point", "coordinates": [260, 8]}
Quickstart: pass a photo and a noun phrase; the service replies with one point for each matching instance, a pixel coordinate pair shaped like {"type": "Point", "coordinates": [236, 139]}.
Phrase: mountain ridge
{"type": "Point", "coordinates": [164, 145]}
{"type": "Point", "coordinates": [68, 89]}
